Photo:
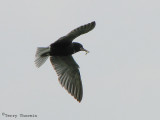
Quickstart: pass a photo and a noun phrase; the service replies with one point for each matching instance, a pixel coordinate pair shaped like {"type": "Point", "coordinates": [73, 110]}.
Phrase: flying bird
{"type": "Point", "coordinates": [60, 53]}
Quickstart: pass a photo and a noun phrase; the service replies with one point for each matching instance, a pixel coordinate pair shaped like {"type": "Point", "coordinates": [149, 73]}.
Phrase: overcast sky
{"type": "Point", "coordinates": [120, 75]}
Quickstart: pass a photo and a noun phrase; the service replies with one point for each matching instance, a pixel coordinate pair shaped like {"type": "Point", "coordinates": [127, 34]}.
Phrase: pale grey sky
{"type": "Point", "coordinates": [120, 75]}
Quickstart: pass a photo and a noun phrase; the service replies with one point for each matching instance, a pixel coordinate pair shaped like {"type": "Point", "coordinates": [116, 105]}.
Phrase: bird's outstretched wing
{"type": "Point", "coordinates": [68, 75]}
{"type": "Point", "coordinates": [67, 39]}
{"type": "Point", "coordinates": [80, 30]}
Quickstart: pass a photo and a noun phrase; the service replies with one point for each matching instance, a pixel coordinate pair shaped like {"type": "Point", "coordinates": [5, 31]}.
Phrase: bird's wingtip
{"type": "Point", "coordinates": [93, 22]}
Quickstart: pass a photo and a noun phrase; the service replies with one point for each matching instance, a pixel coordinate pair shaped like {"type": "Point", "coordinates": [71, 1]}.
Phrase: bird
{"type": "Point", "coordinates": [60, 53]}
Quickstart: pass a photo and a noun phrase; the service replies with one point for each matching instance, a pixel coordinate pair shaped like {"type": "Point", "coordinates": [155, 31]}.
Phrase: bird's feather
{"type": "Point", "coordinates": [80, 30]}
{"type": "Point", "coordinates": [42, 55]}
{"type": "Point", "coordinates": [68, 74]}
{"type": "Point", "coordinates": [66, 40]}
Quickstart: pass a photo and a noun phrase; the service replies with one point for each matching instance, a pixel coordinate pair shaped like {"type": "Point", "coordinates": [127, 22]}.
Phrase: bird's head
{"type": "Point", "coordinates": [78, 47]}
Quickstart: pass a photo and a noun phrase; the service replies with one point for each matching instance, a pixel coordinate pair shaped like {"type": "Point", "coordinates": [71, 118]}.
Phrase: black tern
{"type": "Point", "coordinates": [60, 53]}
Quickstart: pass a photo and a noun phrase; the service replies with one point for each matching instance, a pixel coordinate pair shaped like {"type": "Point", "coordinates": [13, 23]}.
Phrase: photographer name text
{"type": "Point", "coordinates": [18, 115]}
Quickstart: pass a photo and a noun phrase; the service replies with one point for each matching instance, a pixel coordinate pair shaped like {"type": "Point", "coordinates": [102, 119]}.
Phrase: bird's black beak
{"type": "Point", "coordinates": [82, 49]}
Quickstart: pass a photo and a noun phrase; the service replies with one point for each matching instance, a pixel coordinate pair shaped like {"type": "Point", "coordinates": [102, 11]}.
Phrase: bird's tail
{"type": "Point", "coordinates": [42, 54]}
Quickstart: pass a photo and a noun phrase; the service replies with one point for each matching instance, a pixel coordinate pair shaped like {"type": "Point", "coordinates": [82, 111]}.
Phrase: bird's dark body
{"type": "Point", "coordinates": [61, 48]}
